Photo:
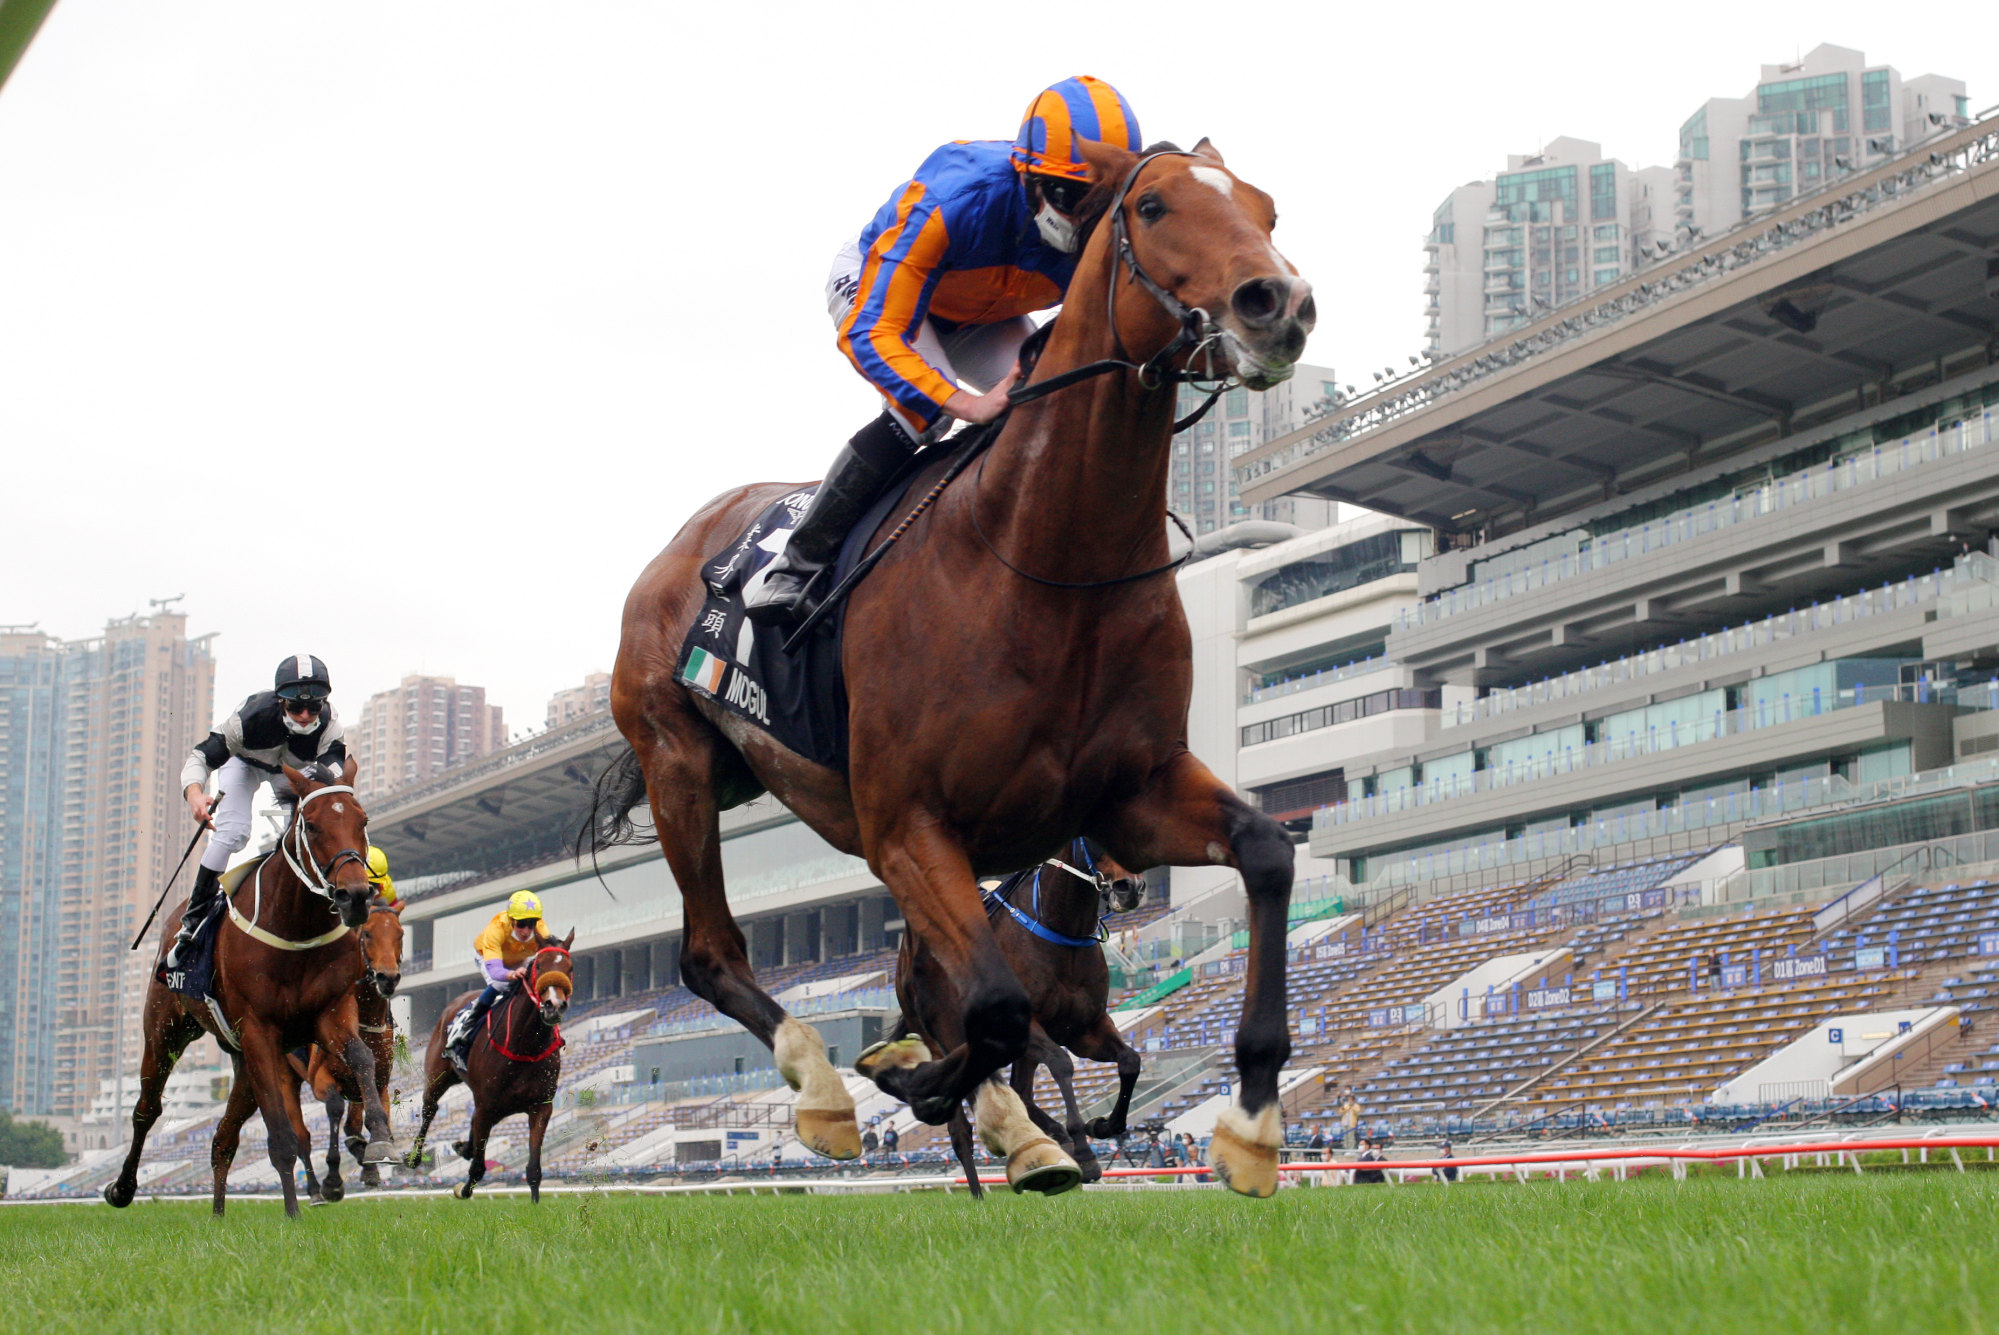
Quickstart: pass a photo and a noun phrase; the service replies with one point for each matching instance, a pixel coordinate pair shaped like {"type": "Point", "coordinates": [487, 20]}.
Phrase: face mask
{"type": "Point", "coordinates": [301, 726]}
{"type": "Point", "coordinates": [1058, 230]}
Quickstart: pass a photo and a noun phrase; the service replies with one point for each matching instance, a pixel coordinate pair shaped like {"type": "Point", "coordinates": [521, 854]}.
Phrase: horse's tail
{"type": "Point", "coordinates": [619, 789]}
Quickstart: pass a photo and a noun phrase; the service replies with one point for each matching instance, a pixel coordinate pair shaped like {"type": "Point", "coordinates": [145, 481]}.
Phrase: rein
{"type": "Point", "coordinates": [318, 881]}
{"type": "Point", "coordinates": [1030, 920]}
{"type": "Point", "coordinates": [530, 991]}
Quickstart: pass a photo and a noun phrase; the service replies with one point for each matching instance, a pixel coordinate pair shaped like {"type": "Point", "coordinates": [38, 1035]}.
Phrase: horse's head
{"type": "Point", "coordinates": [382, 946]}
{"type": "Point", "coordinates": [327, 840]}
{"type": "Point", "coordinates": [1119, 889]}
{"type": "Point", "coordinates": [550, 974]}
{"type": "Point", "coordinates": [1203, 234]}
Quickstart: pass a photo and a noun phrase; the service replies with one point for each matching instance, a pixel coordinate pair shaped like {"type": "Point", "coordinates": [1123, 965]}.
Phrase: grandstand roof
{"type": "Point", "coordinates": [1878, 284]}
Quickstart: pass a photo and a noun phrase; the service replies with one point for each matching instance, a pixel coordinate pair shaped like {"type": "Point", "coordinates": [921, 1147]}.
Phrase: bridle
{"type": "Point", "coordinates": [1030, 918]}
{"type": "Point", "coordinates": [1197, 337]}
{"type": "Point", "coordinates": [297, 849]}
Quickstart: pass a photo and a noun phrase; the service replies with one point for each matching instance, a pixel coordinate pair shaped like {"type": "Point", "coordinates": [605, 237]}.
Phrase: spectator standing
{"type": "Point", "coordinates": [890, 1141]}
{"type": "Point", "coordinates": [1317, 1144]}
{"type": "Point", "coordinates": [1449, 1172]}
{"type": "Point", "coordinates": [1349, 1121]}
{"type": "Point", "coordinates": [1369, 1154]}
{"type": "Point", "coordinates": [870, 1145]}
{"type": "Point", "coordinates": [1155, 1153]}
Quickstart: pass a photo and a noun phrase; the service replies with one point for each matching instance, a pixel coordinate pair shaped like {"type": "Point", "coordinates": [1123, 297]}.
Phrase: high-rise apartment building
{"type": "Point", "coordinates": [1545, 231]}
{"type": "Point", "coordinates": [592, 697]}
{"type": "Point", "coordinates": [1803, 125]}
{"type": "Point", "coordinates": [1201, 486]}
{"type": "Point", "coordinates": [92, 733]}
{"type": "Point", "coordinates": [419, 729]}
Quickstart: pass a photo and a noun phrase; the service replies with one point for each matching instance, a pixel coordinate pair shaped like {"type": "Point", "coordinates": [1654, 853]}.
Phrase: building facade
{"type": "Point", "coordinates": [1804, 124]}
{"type": "Point", "coordinates": [420, 728]}
{"type": "Point", "coordinates": [1551, 227]}
{"type": "Point", "coordinates": [593, 696]}
{"type": "Point", "coordinates": [1201, 487]}
{"type": "Point", "coordinates": [92, 733]}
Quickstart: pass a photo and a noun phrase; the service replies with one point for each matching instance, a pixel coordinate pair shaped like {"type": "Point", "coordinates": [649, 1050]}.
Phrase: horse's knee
{"type": "Point", "coordinates": [998, 1022]}
{"type": "Point", "coordinates": [1263, 852]}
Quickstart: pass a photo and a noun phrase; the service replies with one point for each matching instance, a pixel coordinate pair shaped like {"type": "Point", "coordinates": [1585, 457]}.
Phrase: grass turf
{"type": "Point", "coordinates": [1892, 1253]}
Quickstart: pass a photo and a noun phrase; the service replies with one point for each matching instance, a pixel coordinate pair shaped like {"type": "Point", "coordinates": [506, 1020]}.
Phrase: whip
{"type": "Point", "coordinates": [200, 826]}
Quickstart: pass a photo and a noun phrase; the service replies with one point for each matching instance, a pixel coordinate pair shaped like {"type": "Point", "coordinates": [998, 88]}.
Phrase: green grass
{"type": "Point", "coordinates": [1908, 1252]}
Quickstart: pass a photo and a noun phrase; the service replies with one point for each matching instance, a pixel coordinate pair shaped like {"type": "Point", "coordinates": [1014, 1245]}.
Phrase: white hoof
{"type": "Point", "coordinates": [824, 1118]}
{"type": "Point", "coordinates": [1041, 1166]}
{"type": "Point", "coordinates": [463, 1191]}
{"type": "Point", "coordinates": [1243, 1152]}
{"type": "Point", "coordinates": [902, 1055]}
{"type": "Point", "coordinates": [1033, 1161]}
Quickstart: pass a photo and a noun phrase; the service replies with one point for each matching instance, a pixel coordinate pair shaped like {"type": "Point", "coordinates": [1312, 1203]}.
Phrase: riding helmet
{"type": "Point", "coordinates": [524, 907]}
{"type": "Point", "coordinates": [303, 677]}
{"type": "Point", "coordinates": [1080, 108]}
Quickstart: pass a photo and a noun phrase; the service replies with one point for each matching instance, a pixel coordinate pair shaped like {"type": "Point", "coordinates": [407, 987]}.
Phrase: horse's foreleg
{"type": "Point", "coordinates": [1045, 1051]}
{"type": "Point", "coordinates": [339, 1033]}
{"type": "Point", "coordinates": [537, 1125]}
{"type": "Point", "coordinates": [475, 1152]}
{"type": "Point", "coordinates": [438, 1077]}
{"type": "Point", "coordinates": [168, 1031]}
{"type": "Point", "coordinates": [988, 1028]}
{"type": "Point", "coordinates": [275, 1085]}
{"type": "Point", "coordinates": [713, 959]}
{"type": "Point", "coordinates": [1104, 1043]}
{"type": "Point", "coordinates": [229, 1134]}
{"type": "Point", "coordinates": [1188, 817]}
{"type": "Point", "coordinates": [383, 1045]}
{"type": "Point", "coordinates": [336, 1113]}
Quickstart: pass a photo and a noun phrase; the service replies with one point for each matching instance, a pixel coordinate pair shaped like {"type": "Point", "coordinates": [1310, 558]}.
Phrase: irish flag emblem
{"type": "Point", "coordinates": [704, 670]}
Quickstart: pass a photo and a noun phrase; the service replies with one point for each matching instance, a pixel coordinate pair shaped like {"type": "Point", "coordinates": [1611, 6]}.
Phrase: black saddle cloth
{"type": "Point", "coordinates": [799, 698]}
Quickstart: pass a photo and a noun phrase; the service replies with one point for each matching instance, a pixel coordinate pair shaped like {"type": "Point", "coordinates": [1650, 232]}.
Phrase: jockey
{"type": "Point", "coordinates": [936, 290]}
{"type": "Point", "coordinates": [292, 724]}
{"type": "Point", "coordinates": [378, 875]}
{"type": "Point", "coordinates": [504, 947]}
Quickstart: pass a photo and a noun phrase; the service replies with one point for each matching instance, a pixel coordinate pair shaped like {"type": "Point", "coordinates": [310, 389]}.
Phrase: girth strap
{"type": "Point", "coordinates": [270, 938]}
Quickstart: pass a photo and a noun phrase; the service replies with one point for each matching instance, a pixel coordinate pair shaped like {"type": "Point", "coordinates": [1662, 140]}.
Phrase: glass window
{"type": "Point", "coordinates": [1603, 190]}
{"type": "Point", "coordinates": [1605, 255]}
{"type": "Point", "coordinates": [1607, 232]}
{"type": "Point", "coordinates": [1238, 430]}
{"type": "Point", "coordinates": [1330, 572]}
{"type": "Point", "coordinates": [1603, 276]}
{"type": "Point", "coordinates": [1874, 109]}
{"type": "Point", "coordinates": [1443, 231]}
{"type": "Point", "coordinates": [1237, 403]}
{"type": "Point", "coordinates": [1531, 196]}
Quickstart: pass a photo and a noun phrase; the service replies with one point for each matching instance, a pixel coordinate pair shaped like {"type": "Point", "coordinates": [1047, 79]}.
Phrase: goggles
{"type": "Point", "coordinates": [1065, 195]}
{"type": "Point", "coordinates": [309, 707]}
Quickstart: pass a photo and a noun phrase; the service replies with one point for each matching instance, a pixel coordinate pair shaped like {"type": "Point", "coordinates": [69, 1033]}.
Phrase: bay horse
{"type": "Point", "coordinates": [284, 978]}
{"type": "Point", "coordinates": [332, 1084]}
{"type": "Point", "coordinates": [513, 1066]}
{"type": "Point", "coordinates": [1049, 923]}
{"type": "Point", "coordinates": [1018, 673]}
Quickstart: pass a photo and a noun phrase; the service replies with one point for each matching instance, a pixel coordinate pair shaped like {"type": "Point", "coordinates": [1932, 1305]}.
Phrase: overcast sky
{"type": "Point", "coordinates": [407, 333]}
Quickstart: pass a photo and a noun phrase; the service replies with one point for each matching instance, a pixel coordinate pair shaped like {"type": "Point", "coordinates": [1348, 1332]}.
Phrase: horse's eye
{"type": "Point", "coordinates": [1151, 208]}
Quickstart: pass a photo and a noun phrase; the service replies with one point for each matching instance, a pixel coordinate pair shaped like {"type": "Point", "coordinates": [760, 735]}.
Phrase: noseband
{"type": "Point", "coordinates": [297, 849]}
{"type": "Point", "coordinates": [1030, 918]}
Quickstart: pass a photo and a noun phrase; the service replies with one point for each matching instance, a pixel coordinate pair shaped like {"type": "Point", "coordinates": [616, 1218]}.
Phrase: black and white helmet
{"type": "Point", "coordinates": [303, 677]}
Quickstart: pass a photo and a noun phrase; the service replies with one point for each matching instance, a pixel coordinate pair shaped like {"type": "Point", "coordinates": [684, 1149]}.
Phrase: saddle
{"type": "Point", "coordinates": [799, 698]}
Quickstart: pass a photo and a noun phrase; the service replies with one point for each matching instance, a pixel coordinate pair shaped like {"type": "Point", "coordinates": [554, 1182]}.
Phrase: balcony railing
{"type": "Point", "coordinates": [1277, 690]}
{"type": "Point", "coordinates": [1697, 522]}
{"type": "Point", "coordinates": [1971, 573]}
{"type": "Point", "coordinates": [1767, 714]}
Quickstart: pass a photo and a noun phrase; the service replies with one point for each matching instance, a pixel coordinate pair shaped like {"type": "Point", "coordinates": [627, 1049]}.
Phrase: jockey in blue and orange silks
{"type": "Point", "coordinates": [935, 293]}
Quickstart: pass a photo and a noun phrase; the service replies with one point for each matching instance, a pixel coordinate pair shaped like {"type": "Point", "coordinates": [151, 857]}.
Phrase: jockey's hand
{"type": "Point", "coordinates": [983, 407]}
{"type": "Point", "coordinates": [515, 975]}
{"type": "Point", "coordinates": [198, 803]}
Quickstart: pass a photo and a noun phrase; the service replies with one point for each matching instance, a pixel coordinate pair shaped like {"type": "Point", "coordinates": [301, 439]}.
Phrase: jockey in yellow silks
{"type": "Point", "coordinates": [504, 947]}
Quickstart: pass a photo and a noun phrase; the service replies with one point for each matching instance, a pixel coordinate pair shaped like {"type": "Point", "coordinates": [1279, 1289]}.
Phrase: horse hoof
{"type": "Point", "coordinates": [334, 1193]}
{"type": "Point", "coordinates": [1091, 1169]}
{"type": "Point", "coordinates": [833, 1134]}
{"type": "Point", "coordinates": [463, 1191]}
{"type": "Point", "coordinates": [902, 1055]}
{"type": "Point", "coordinates": [414, 1159]}
{"type": "Point", "coordinates": [379, 1151]}
{"type": "Point", "coordinates": [371, 1176]}
{"type": "Point", "coordinates": [1103, 1129]}
{"type": "Point", "coordinates": [1243, 1152]}
{"type": "Point", "coordinates": [461, 1148]}
{"type": "Point", "coordinates": [118, 1194]}
{"type": "Point", "coordinates": [1041, 1166]}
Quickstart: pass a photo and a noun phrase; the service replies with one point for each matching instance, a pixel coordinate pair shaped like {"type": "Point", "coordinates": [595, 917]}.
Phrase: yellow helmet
{"type": "Point", "coordinates": [378, 874]}
{"type": "Point", "coordinates": [524, 907]}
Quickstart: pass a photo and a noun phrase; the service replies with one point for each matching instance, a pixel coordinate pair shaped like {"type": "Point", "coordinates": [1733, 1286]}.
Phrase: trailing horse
{"type": "Point", "coordinates": [284, 977]}
{"type": "Point", "coordinates": [514, 1064]}
{"type": "Point", "coordinates": [332, 1084]}
{"type": "Point", "coordinates": [1017, 672]}
{"type": "Point", "coordinates": [1049, 923]}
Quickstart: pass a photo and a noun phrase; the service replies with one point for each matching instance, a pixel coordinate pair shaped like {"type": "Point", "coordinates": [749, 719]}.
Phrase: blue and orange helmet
{"type": "Point", "coordinates": [1080, 108]}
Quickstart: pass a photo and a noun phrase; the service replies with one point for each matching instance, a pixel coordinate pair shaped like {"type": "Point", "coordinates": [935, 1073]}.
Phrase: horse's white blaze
{"type": "Point", "coordinates": [550, 995]}
{"type": "Point", "coordinates": [1215, 179]}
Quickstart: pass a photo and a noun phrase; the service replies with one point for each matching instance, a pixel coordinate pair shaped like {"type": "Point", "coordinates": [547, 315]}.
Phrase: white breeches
{"type": "Point", "coordinates": [235, 799]}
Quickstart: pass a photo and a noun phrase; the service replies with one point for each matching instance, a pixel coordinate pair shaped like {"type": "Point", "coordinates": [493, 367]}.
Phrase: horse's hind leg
{"type": "Point", "coordinates": [475, 1153]}
{"type": "Point", "coordinates": [680, 772]}
{"type": "Point", "coordinates": [229, 1134]}
{"type": "Point", "coordinates": [168, 1032]}
{"type": "Point", "coordinates": [1188, 817]}
{"type": "Point", "coordinates": [275, 1086]}
{"type": "Point", "coordinates": [336, 1113]}
{"type": "Point", "coordinates": [961, 1144]}
{"type": "Point", "coordinates": [435, 1084]}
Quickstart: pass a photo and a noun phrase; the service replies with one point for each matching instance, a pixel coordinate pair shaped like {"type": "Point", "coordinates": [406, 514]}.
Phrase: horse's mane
{"type": "Point", "coordinates": [1098, 202]}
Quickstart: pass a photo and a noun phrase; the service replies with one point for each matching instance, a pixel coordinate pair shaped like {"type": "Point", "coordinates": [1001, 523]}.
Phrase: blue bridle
{"type": "Point", "coordinates": [1031, 921]}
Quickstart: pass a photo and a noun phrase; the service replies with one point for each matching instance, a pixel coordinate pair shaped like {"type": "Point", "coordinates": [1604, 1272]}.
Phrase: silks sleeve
{"type": "Point", "coordinates": [898, 274]}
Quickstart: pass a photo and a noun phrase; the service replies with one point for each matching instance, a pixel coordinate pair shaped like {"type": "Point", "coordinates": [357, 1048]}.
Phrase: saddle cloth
{"type": "Point", "coordinates": [799, 698]}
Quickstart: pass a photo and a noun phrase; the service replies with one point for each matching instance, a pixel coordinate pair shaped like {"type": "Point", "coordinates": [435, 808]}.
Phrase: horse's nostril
{"type": "Point", "coordinates": [1308, 312]}
{"type": "Point", "coordinates": [1258, 301]}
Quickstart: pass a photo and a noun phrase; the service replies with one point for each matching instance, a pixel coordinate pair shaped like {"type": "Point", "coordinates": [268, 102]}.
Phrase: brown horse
{"type": "Point", "coordinates": [1018, 673]}
{"type": "Point", "coordinates": [1048, 923]}
{"type": "Point", "coordinates": [513, 1067]}
{"type": "Point", "coordinates": [285, 972]}
{"type": "Point", "coordinates": [332, 1084]}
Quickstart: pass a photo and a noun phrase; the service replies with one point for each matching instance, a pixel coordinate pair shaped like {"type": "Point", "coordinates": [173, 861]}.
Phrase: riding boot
{"type": "Point", "coordinates": [788, 593]}
{"type": "Point", "coordinates": [207, 884]}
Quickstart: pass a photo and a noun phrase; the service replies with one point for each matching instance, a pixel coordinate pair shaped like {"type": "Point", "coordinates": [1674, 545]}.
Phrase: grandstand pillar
{"type": "Point", "coordinates": [766, 942]}
{"type": "Point", "coordinates": [801, 940]}
{"type": "Point", "coordinates": [664, 970]}
{"type": "Point", "coordinates": [873, 915]}
{"type": "Point", "coordinates": [634, 970]}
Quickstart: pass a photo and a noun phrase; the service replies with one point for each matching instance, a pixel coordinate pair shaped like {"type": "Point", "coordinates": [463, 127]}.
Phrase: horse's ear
{"type": "Point", "coordinates": [1107, 162]}
{"type": "Point", "coordinates": [569, 940]}
{"type": "Point", "coordinates": [349, 770]}
{"type": "Point", "coordinates": [1204, 149]}
{"type": "Point", "coordinates": [398, 907]}
{"type": "Point", "coordinates": [297, 779]}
